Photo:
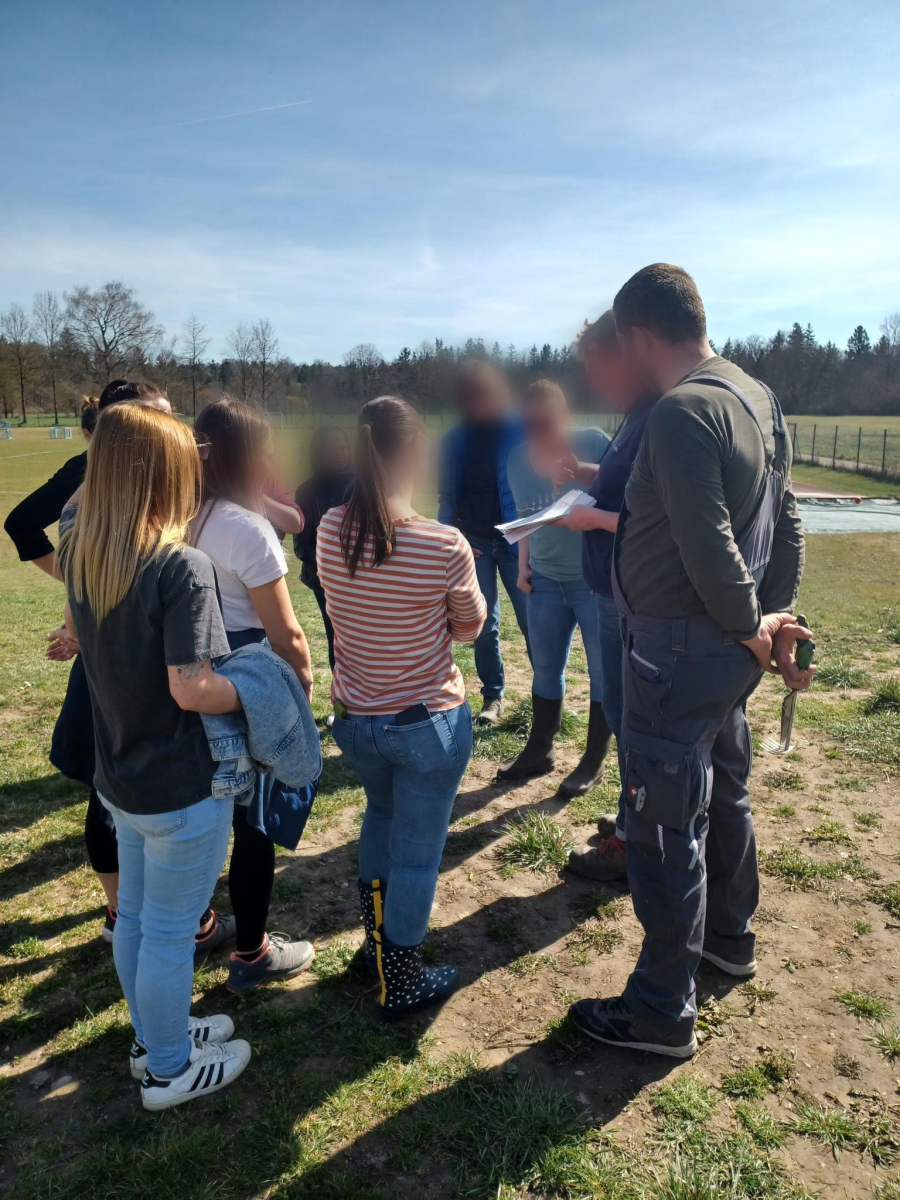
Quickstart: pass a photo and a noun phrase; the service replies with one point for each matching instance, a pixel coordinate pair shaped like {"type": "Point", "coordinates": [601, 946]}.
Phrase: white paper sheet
{"type": "Point", "coordinates": [514, 531]}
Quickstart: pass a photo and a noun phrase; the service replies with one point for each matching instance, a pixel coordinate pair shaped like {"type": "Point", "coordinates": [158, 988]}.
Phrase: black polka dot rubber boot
{"type": "Point", "coordinates": [371, 918]}
{"type": "Point", "coordinates": [406, 983]}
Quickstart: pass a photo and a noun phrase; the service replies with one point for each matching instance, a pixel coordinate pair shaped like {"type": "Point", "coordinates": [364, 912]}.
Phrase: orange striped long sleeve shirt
{"type": "Point", "coordinates": [395, 624]}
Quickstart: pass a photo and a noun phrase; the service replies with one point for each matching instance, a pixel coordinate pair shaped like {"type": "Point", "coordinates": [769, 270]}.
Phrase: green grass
{"type": "Point", "coordinates": [888, 1042]}
{"type": "Point", "coordinates": [536, 842]}
{"type": "Point", "coordinates": [838, 674]}
{"type": "Point", "coordinates": [885, 697]}
{"type": "Point", "coordinates": [888, 896]}
{"type": "Point", "coordinates": [335, 1105]}
{"type": "Point", "coordinates": [785, 780]}
{"type": "Point", "coordinates": [686, 1099]}
{"type": "Point", "coordinates": [863, 1005]}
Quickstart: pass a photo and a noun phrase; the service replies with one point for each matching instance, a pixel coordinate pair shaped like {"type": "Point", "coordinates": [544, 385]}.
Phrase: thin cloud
{"type": "Point", "coordinates": [246, 112]}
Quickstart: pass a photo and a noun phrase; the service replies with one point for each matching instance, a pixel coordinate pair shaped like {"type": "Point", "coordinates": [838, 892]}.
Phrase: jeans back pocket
{"type": "Point", "coordinates": [426, 745]}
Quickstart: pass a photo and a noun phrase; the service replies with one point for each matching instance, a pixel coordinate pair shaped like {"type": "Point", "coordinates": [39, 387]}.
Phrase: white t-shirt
{"type": "Point", "coordinates": [246, 553]}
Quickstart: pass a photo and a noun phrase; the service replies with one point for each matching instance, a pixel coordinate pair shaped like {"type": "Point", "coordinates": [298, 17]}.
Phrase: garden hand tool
{"type": "Point", "coordinates": [804, 657]}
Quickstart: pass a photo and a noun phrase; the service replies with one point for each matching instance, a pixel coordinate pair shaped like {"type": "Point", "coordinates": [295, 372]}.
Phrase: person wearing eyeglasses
{"type": "Point", "coordinates": [550, 575]}
{"type": "Point", "coordinates": [234, 529]}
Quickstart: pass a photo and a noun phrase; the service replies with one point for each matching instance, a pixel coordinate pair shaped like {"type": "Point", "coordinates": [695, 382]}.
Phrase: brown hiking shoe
{"type": "Point", "coordinates": [490, 712]}
{"type": "Point", "coordinates": [604, 863]}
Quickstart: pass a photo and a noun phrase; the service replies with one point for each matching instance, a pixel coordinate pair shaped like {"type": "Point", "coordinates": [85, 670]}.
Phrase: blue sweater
{"type": "Point", "coordinates": [451, 468]}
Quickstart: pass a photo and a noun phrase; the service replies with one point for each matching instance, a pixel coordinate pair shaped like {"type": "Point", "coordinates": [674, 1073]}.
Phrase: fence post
{"type": "Point", "coordinates": [858, 445]}
{"type": "Point", "coordinates": [812, 453]}
{"type": "Point", "coordinates": [884, 452]}
{"type": "Point", "coordinates": [834, 448]}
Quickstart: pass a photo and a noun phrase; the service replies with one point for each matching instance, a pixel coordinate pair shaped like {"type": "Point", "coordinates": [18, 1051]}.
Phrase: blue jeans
{"type": "Point", "coordinates": [496, 556]}
{"type": "Point", "coordinates": [168, 867]}
{"type": "Point", "coordinates": [554, 609]}
{"type": "Point", "coordinates": [611, 658]}
{"type": "Point", "coordinates": [411, 774]}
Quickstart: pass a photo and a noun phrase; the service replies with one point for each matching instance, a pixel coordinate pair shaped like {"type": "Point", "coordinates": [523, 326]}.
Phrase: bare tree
{"type": "Point", "coordinates": [890, 330]}
{"type": "Point", "coordinates": [112, 331]}
{"type": "Point", "coordinates": [241, 345]}
{"type": "Point", "coordinates": [366, 360]}
{"type": "Point", "coordinates": [48, 321]}
{"type": "Point", "coordinates": [16, 327]}
{"type": "Point", "coordinates": [265, 355]}
{"type": "Point", "coordinates": [166, 357]}
{"type": "Point", "coordinates": [195, 345]}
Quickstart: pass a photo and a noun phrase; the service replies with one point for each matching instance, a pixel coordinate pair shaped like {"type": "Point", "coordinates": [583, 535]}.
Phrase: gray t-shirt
{"type": "Point", "coordinates": [554, 551]}
{"type": "Point", "coordinates": [152, 757]}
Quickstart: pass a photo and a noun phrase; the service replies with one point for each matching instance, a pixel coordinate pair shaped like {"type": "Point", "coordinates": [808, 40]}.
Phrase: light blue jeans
{"type": "Point", "coordinates": [411, 775]}
{"type": "Point", "coordinates": [611, 658]}
{"type": "Point", "coordinates": [555, 607]}
{"type": "Point", "coordinates": [496, 557]}
{"type": "Point", "coordinates": [168, 867]}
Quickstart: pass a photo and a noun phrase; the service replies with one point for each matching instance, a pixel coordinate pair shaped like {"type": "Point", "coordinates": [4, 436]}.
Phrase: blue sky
{"type": "Point", "coordinates": [492, 169]}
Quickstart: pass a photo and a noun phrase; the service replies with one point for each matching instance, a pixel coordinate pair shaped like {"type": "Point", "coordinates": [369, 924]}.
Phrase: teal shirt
{"type": "Point", "coordinates": [554, 550]}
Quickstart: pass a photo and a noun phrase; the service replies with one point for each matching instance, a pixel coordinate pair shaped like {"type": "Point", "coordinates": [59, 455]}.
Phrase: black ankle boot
{"type": "Point", "coordinates": [371, 904]}
{"type": "Point", "coordinates": [406, 983]}
{"type": "Point", "coordinates": [589, 771]}
{"type": "Point", "coordinates": [537, 758]}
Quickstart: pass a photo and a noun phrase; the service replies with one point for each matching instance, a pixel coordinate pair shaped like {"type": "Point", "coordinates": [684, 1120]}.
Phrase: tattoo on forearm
{"type": "Point", "coordinates": [190, 670]}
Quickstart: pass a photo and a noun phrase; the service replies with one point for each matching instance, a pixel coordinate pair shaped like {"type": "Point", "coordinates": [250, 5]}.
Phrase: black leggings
{"type": "Point", "coordinates": [100, 837]}
{"type": "Point", "coordinates": [250, 879]}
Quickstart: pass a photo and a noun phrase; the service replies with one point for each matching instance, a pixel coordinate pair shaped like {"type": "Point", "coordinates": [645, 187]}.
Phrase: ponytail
{"type": "Point", "coordinates": [386, 425]}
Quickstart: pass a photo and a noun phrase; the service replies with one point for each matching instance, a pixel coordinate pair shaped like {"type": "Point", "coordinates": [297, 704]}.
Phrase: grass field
{"type": "Point", "coordinates": [794, 1092]}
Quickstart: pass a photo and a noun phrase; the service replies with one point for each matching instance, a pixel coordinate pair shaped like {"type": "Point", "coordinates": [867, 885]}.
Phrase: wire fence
{"type": "Point", "coordinates": [869, 449]}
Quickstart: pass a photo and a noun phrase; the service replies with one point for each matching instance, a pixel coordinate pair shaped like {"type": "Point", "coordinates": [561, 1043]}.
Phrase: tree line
{"type": "Point", "coordinates": [62, 349]}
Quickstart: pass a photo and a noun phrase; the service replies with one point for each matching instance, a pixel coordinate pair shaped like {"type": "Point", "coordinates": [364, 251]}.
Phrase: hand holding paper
{"type": "Point", "coordinates": [514, 531]}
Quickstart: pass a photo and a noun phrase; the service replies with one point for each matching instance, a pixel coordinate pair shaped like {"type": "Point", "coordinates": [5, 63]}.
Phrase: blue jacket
{"type": "Point", "coordinates": [275, 736]}
{"type": "Point", "coordinates": [450, 467]}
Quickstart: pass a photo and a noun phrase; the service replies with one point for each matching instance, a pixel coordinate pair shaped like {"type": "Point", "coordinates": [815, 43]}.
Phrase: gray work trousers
{"type": "Point", "coordinates": [691, 857]}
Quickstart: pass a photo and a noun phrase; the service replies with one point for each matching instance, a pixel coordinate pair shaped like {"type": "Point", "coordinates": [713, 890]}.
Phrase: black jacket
{"type": "Point", "coordinates": [28, 520]}
{"type": "Point", "coordinates": [314, 498]}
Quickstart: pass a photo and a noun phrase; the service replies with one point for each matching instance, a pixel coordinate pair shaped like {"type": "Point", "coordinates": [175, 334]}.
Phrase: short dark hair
{"type": "Point", "coordinates": [664, 300]}
{"type": "Point", "coordinates": [120, 390]}
{"type": "Point", "coordinates": [89, 413]}
{"type": "Point", "coordinates": [475, 375]}
{"type": "Point", "coordinates": [600, 333]}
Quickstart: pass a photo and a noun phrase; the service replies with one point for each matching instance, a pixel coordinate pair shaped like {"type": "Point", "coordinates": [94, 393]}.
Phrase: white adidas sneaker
{"type": "Point", "coordinates": [212, 1067]}
{"type": "Point", "coordinates": [201, 1029]}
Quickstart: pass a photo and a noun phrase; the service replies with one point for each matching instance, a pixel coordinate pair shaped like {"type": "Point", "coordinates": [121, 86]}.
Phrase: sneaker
{"type": "Point", "coordinates": [742, 970]}
{"type": "Point", "coordinates": [221, 935]}
{"type": "Point", "coordinates": [490, 712]}
{"type": "Point", "coordinates": [604, 863]}
{"type": "Point", "coordinates": [212, 1066]}
{"type": "Point", "coordinates": [109, 926]}
{"type": "Point", "coordinates": [280, 958]}
{"type": "Point", "coordinates": [609, 1021]}
{"type": "Point", "coordinates": [606, 826]}
{"type": "Point", "coordinates": [201, 1029]}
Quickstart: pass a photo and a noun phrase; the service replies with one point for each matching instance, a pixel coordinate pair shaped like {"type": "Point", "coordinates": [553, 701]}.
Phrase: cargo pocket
{"type": "Point", "coordinates": [663, 783]}
{"type": "Point", "coordinates": [646, 686]}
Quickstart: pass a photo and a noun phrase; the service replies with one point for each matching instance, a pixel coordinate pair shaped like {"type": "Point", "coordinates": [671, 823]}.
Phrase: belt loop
{"type": "Point", "coordinates": [678, 631]}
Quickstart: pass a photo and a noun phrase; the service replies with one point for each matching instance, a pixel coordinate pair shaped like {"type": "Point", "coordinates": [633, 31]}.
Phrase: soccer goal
{"type": "Point", "coordinates": [277, 420]}
{"type": "Point", "coordinates": [61, 431]}
{"type": "Point", "coordinates": [6, 432]}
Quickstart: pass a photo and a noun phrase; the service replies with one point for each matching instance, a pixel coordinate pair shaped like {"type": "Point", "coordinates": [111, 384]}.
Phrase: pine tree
{"type": "Point", "coordinates": [858, 343]}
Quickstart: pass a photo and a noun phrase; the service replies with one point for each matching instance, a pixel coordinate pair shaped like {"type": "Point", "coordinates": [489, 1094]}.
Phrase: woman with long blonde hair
{"type": "Point", "coordinates": [144, 608]}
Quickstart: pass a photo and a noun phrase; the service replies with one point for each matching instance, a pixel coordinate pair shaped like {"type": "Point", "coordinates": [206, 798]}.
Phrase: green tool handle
{"type": "Point", "coordinates": [805, 650]}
